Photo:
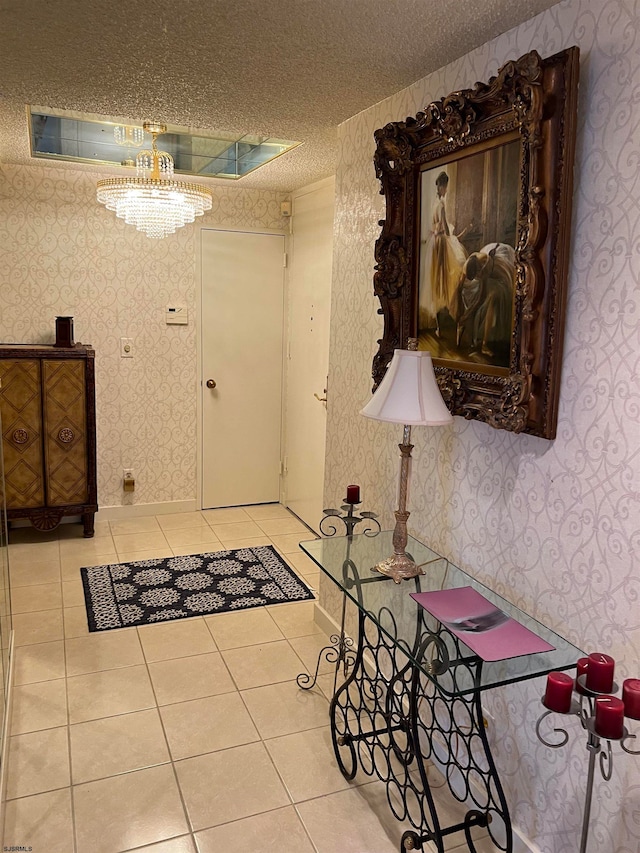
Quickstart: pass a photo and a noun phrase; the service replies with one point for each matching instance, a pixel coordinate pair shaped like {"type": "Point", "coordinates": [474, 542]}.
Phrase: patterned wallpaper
{"type": "Point", "coordinates": [63, 253]}
{"type": "Point", "coordinates": [552, 525]}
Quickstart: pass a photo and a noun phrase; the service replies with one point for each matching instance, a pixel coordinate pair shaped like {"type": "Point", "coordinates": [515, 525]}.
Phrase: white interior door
{"type": "Point", "coordinates": [242, 338]}
{"type": "Point", "coordinates": [310, 264]}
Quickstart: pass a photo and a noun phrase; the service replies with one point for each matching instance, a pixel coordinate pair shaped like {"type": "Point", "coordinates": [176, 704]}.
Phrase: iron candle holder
{"type": "Point", "coordinates": [584, 709]}
{"type": "Point", "coordinates": [350, 520]}
{"type": "Point", "coordinates": [340, 650]}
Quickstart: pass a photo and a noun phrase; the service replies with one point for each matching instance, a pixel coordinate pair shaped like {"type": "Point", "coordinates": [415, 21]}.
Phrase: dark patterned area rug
{"type": "Point", "coordinates": [148, 591]}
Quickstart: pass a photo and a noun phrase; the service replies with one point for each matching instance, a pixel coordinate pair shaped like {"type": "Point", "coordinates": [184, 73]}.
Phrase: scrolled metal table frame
{"type": "Point", "coordinates": [390, 717]}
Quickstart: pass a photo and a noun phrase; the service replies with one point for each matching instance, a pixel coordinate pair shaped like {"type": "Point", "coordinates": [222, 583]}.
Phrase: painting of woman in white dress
{"type": "Point", "coordinates": [467, 256]}
{"type": "Point", "coordinates": [442, 257]}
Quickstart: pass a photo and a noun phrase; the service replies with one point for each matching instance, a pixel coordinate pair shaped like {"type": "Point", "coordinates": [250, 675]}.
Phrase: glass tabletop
{"type": "Point", "coordinates": [348, 561]}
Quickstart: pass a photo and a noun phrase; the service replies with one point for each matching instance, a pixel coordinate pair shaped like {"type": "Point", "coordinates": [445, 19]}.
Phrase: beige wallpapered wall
{"type": "Point", "coordinates": [553, 525]}
{"type": "Point", "coordinates": [63, 253]}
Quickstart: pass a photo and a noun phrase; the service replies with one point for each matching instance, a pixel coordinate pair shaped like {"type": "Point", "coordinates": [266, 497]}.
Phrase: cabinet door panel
{"type": "Point", "coordinates": [21, 431]}
{"type": "Point", "coordinates": [65, 431]}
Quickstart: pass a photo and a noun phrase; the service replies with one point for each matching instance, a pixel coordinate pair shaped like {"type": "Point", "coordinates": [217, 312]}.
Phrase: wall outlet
{"type": "Point", "coordinates": [128, 480]}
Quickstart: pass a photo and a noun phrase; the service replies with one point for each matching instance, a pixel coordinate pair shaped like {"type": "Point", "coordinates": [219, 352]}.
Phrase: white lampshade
{"type": "Point", "coordinates": [409, 393]}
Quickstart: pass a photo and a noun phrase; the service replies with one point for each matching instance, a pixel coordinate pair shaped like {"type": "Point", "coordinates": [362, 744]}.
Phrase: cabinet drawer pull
{"type": "Point", "coordinates": [20, 436]}
{"type": "Point", "coordinates": [66, 435]}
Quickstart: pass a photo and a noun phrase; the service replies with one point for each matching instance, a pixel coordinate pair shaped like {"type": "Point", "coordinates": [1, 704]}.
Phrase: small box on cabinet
{"type": "Point", "coordinates": [64, 332]}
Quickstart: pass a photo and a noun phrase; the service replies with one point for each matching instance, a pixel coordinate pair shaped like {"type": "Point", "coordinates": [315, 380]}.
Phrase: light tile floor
{"type": "Point", "coordinates": [189, 737]}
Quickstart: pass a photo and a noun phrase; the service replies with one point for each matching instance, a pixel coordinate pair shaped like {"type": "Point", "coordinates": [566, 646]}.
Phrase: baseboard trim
{"type": "Point", "coordinates": [115, 513]}
{"type": "Point", "coordinates": [521, 844]}
{"type": "Point", "coordinates": [324, 620]}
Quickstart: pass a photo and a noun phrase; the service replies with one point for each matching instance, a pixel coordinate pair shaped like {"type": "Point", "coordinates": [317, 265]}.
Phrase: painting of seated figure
{"type": "Point", "coordinates": [467, 257]}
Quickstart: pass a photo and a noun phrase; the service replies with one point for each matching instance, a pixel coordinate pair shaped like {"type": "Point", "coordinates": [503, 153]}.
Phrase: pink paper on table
{"type": "Point", "coordinates": [490, 633]}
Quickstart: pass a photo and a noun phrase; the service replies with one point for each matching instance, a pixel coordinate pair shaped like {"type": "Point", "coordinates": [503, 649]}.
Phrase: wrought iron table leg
{"type": "Point", "coordinates": [339, 652]}
{"type": "Point", "coordinates": [339, 709]}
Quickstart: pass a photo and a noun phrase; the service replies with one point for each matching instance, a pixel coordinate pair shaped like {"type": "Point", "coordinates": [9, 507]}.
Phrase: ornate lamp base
{"type": "Point", "coordinates": [399, 567]}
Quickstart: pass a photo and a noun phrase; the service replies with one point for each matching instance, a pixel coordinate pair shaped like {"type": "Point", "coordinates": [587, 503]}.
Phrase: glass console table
{"type": "Point", "coordinates": [413, 695]}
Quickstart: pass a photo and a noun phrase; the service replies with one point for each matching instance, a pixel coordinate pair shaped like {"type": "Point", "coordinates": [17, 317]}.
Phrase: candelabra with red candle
{"type": "Point", "coordinates": [601, 715]}
{"type": "Point", "coordinates": [340, 651]}
{"type": "Point", "coordinates": [348, 517]}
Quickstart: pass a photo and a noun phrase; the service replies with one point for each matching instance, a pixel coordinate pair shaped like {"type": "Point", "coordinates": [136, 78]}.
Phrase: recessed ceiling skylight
{"type": "Point", "coordinates": [62, 135]}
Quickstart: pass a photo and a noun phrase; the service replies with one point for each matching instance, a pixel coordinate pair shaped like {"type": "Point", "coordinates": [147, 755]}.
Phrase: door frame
{"type": "Point", "coordinates": [297, 194]}
{"type": "Point", "coordinates": [199, 336]}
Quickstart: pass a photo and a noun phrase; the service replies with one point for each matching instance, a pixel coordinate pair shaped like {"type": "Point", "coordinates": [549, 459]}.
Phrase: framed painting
{"type": "Point", "coordinates": [472, 258]}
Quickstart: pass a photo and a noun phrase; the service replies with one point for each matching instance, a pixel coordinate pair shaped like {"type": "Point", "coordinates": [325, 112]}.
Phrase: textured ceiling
{"type": "Point", "coordinates": [285, 68]}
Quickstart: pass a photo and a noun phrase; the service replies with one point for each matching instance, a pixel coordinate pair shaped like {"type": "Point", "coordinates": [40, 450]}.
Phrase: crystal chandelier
{"type": "Point", "coordinates": [153, 201]}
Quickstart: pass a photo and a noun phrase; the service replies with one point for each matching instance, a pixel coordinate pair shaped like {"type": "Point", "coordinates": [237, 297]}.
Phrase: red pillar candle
{"type": "Point", "coordinates": [631, 698]}
{"type": "Point", "coordinates": [609, 717]}
{"type": "Point", "coordinates": [353, 494]}
{"type": "Point", "coordinates": [557, 696]}
{"type": "Point", "coordinates": [600, 673]}
{"type": "Point", "coordinates": [582, 666]}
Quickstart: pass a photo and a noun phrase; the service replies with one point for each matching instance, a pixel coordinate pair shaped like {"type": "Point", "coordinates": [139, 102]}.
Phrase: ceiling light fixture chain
{"type": "Point", "coordinates": [153, 201]}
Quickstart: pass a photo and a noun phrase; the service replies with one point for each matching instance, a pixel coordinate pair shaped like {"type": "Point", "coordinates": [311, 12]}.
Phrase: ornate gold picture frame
{"type": "Point", "coordinates": [473, 255]}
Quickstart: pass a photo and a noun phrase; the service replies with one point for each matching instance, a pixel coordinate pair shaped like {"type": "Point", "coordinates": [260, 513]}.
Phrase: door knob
{"type": "Point", "coordinates": [211, 383]}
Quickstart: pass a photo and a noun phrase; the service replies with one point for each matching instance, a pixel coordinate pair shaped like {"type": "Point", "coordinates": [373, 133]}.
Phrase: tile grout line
{"type": "Point", "coordinates": [290, 795]}
{"type": "Point", "coordinates": [261, 738]}
{"type": "Point", "coordinates": [66, 688]}
{"type": "Point", "coordinates": [174, 770]}
{"type": "Point", "coordinates": [282, 781]}
{"type": "Point", "coordinates": [248, 817]}
{"type": "Point", "coordinates": [304, 826]}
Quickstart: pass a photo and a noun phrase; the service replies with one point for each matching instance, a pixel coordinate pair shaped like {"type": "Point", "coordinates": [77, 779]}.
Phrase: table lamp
{"type": "Point", "coordinates": [408, 395]}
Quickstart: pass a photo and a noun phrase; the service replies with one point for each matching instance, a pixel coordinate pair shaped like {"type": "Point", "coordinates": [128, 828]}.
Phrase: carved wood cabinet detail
{"type": "Point", "coordinates": [47, 402]}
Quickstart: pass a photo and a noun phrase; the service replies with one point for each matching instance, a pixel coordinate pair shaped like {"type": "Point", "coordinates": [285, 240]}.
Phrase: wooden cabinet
{"type": "Point", "coordinates": [47, 402]}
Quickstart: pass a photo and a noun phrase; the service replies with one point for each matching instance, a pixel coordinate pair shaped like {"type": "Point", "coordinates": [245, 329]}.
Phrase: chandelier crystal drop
{"type": "Point", "coordinates": [129, 135]}
{"type": "Point", "coordinates": [153, 201]}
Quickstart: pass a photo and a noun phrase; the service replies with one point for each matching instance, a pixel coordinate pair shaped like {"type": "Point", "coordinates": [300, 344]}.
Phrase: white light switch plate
{"type": "Point", "coordinates": [126, 347]}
